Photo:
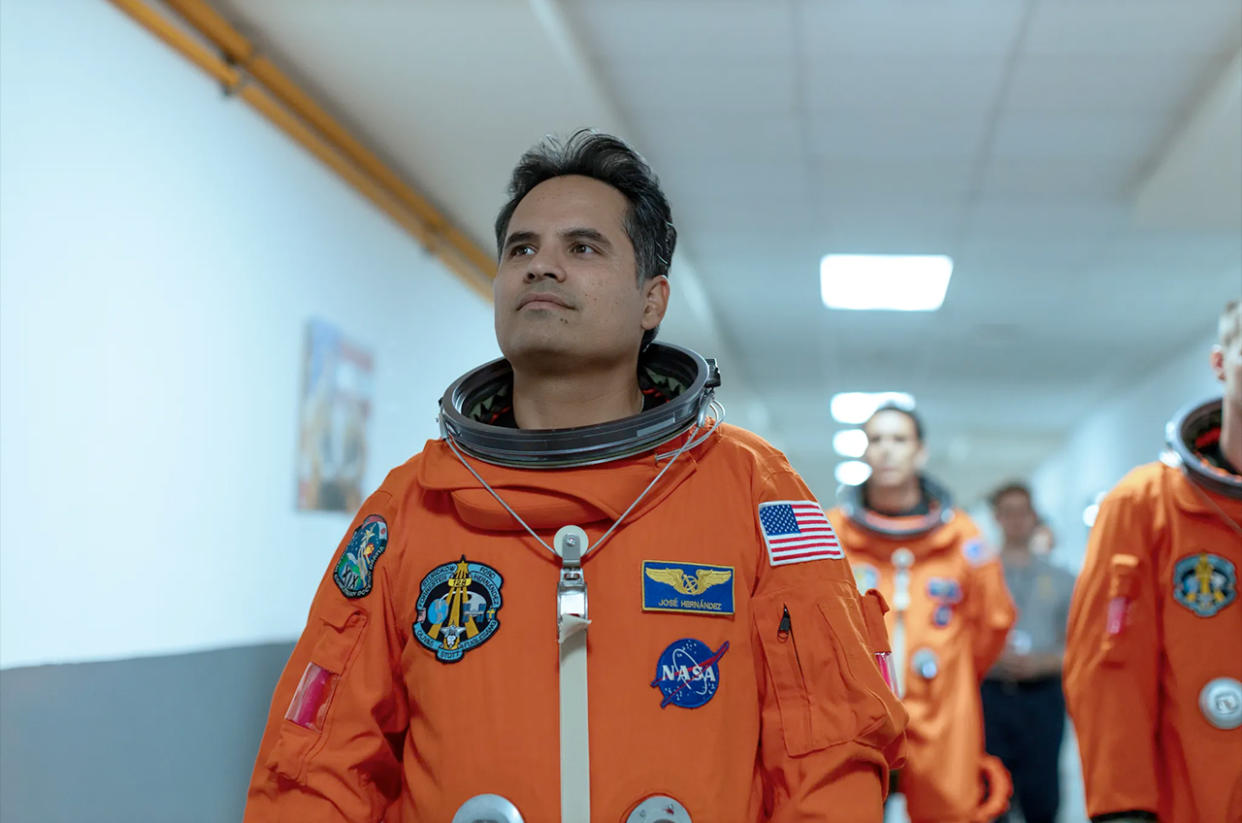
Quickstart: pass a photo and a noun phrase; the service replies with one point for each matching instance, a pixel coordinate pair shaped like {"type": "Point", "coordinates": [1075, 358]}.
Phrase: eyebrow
{"type": "Point", "coordinates": [520, 237]}
{"type": "Point", "coordinates": [583, 233]}
{"type": "Point", "coordinates": [576, 233]}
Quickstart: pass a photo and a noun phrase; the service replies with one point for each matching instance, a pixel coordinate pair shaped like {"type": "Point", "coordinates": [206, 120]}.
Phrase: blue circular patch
{"type": "Point", "coordinates": [942, 615]}
{"type": "Point", "coordinates": [688, 673]}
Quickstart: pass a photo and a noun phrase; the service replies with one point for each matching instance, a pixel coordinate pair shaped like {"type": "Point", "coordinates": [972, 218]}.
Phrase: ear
{"type": "Point", "coordinates": [655, 301]}
{"type": "Point", "coordinates": [920, 457]}
{"type": "Point", "coordinates": [1218, 363]}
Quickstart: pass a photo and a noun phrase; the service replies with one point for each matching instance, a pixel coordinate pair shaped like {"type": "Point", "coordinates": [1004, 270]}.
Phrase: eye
{"type": "Point", "coordinates": [582, 248]}
{"type": "Point", "coordinates": [521, 250]}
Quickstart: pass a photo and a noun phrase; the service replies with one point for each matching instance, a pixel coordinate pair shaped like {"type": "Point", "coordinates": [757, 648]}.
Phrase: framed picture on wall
{"type": "Point", "coordinates": [336, 404]}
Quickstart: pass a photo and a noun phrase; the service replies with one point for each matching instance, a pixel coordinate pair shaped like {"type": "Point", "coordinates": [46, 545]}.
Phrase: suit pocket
{"type": "Point", "coordinates": [309, 715]}
{"type": "Point", "coordinates": [1122, 587]}
{"type": "Point", "coordinates": [821, 667]}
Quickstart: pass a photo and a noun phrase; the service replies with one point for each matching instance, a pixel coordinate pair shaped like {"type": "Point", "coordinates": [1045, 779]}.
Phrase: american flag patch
{"type": "Point", "coordinates": [796, 531]}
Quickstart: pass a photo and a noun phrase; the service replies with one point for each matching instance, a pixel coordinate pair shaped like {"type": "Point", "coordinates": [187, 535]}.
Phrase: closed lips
{"type": "Point", "coordinates": [542, 298]}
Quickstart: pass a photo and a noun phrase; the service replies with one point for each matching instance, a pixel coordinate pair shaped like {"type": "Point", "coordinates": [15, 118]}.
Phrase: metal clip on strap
{"type": "Point", "coordinates": [571, 593]}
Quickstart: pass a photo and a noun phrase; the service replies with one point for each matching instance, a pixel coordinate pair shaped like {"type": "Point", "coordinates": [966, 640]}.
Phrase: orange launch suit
{"type": "Point", "coordinates": [960, 609]}
{"type": "Point", "coordinates": [1142, 648]}
{"type": "Point", "coordinates": [801, 727]}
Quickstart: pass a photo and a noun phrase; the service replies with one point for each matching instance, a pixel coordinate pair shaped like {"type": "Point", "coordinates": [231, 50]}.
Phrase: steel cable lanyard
{"type": "Point", "coordinates": [571, 545]}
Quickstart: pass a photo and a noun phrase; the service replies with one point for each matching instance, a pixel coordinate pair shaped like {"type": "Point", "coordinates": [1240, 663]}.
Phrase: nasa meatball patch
{"type": "Point", "coordinates": [355, 570]}
{"type": "Point", "coordinates": [688, 673]}
{"type": "Point", "coordinates": [457, 607]}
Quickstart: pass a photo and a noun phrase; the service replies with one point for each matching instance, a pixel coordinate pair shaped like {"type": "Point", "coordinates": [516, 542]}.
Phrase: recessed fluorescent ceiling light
{"type": "Point", "coordinates": [906, 282]}
{"type": "Point", "coordinates": [852, 472]}
{"type": "Point", "coordinates": [850, 442]}
{"type": "Point", "coordinates": [855, 407]}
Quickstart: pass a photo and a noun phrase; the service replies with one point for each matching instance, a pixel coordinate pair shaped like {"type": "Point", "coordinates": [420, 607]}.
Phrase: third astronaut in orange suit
{"type": "Point", "coordinates": [950, 617]}
{"type": "Point", "coordinates": [1153, 665]}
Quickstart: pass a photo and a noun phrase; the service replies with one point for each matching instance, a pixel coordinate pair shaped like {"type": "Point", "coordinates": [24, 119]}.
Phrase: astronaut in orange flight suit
{"type": "Point", "coordinates": [1153, 665]}
{"type": "Point", "coordinates": [951, 614]}
{"type": "Point", "coordinates": [732, 665]}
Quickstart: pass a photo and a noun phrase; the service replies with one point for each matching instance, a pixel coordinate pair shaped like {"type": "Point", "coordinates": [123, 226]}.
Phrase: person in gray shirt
{"type": "Point", "coordinates": [1023, 707]}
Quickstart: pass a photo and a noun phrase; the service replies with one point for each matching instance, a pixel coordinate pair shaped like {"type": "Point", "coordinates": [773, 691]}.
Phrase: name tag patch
{"type": "Point", "coordinates": [693, 588]}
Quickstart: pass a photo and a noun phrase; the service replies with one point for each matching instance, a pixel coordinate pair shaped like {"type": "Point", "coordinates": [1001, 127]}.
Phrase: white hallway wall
{"type": "Point", "coordinates": [162, 248]}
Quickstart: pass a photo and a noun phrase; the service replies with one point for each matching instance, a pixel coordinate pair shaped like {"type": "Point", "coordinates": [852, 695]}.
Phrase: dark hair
{"type": "Point", "coordinates": [1012, 487]}
{"type": "Point", "coordinates": [907, 411]}
{"type": "Point", "coordinates": [649, 220]}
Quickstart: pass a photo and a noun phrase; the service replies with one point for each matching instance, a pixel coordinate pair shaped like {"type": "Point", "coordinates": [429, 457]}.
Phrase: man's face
{"type": "Point", "coordinates": [566, 292]}
{"type": "Point", "coordinates": [893, 449]}
{"type": "Point", "coordinates": [1227, 363]}
{"type": "Point", "coordinates": [1015, 517]}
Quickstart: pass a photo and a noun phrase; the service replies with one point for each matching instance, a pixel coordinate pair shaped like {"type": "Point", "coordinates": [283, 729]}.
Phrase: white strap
{"type": "Point", "coordinates": [575, 734]}
{"type": "Point", "coordinates": [899, 655]}
{"type": "Point", "coordinates": [572, 620]}
{"type": "Point", "coordinates": [903, 559]}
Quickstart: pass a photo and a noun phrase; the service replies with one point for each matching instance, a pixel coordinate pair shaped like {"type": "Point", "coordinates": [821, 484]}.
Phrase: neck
{"type": "Point", "coordinates": [563, 401]}
{"type": "Point", "coordinates": [894, 499]}
{"type": "Point", "coordinates": [1231, 432]}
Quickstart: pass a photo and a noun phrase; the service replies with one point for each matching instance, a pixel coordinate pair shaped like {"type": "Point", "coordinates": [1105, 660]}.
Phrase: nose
{"type": "Point", "coordinates": [544, 264]}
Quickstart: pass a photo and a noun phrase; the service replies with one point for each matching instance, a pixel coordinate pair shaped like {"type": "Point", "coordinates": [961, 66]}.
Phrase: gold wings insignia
{"type": "Point", "coordinates": [706, 578]}
{"type": "Point", "coordinates": [673, 577]}
{"type": "Point", "coordinates": [703, 580]}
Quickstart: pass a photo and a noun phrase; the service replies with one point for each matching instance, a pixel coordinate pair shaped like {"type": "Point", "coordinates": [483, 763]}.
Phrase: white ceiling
{"type": "Point", "coordinates": [1015, 135]}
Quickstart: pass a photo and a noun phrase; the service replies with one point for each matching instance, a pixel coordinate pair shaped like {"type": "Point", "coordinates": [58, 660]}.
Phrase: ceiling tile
{"type": "Point", "coordinates": [1096, 85]}
{"type": "Point", "coordinates": [896, 133]}
{"type": "Point", "coordinates": [1050, 134]}
{"type": "Point", "coordinates": [910, 30]}
{"type": "Point", "coordinates": [635, 31]}
{"type": "Point", "coordinates": [1052, 176]}
{"type": "Point", "coordinates": [1135, 28]}
{"type": "Point", "coordinates": [728, 137]}
{"type": "Point", "coordinates": [755, 88]}
{"type": "Point", "coordinates": [895, 179]}
{"type": "Point", "coordinates": [945, 86]}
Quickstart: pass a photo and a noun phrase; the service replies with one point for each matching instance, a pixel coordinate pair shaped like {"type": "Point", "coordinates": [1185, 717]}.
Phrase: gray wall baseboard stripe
{"type": "Point", "coordinates": [160, 739]}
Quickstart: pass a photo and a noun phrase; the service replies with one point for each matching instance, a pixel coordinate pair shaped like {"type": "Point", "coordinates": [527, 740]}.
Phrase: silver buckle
{"type": "Point", "coordinates": [571, 590]}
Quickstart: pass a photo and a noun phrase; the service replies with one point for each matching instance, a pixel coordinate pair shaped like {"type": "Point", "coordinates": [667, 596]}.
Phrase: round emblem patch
{"type": "Point", "coordinates": [688, 673]}
{"type": "Point", "coordinates": [1204, 583]}
{"type": "Point", "coordinates": [457, 607]}
{"type": "Point", "coordinates": [353, 572]}
{"type": "Point", "coordinates": [1221, 703]}
{"type": "Point", "coordinates": [925, 664]}
{"type": "Point", "coordinates": [658, 808]}
{"type": "Point", "coordinates": [487, 808]}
